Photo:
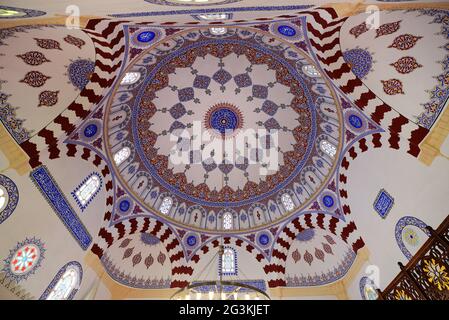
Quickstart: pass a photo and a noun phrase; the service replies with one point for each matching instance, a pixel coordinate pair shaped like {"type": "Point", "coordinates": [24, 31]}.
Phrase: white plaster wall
{"type": "Point", "coordinates": [418, 191]}
{"type": "Point", "coordinates": [33, 216]}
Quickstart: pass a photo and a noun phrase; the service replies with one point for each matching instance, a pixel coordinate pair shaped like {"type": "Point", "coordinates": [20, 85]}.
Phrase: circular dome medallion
{"type": "Point", "coordinates": [198, 92]}
{"type": "Point", "coordinates": [90, 130]}
{"type": "Point", "coordinates": [146, 36]}
{"type": "Point", "coordinates": [286, 31]}
{"type": "Point", "coordinates": [224, 119]}
{"type": "Point", "coordinates": [355, 121]}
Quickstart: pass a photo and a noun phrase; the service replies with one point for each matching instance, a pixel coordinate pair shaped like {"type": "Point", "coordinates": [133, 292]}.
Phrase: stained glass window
{"type": "Point", "coordinates": [65, 285]}
{"type": "Point", "coordinates": [3, 198]}
{"type": "Point", "coordinates": [228, 264]}
{"type": "Point", "coordinates": [214, 16]}
{"type": "Point", "coordinates": [130, 78]}
{"type": "Point", "coordinates": [328, 148]}
{"type": "Point", "coordinates": [311, 71]}
{"type": "Point", "coordinates": [121, 155]}
{"type": "Point", "coordinates": [368, 289]}
{"type": "Point", "coordinates": [87, 190]}
{"type": "Point", "coordinates": [227, 221]}
{"type": "Point", "coordinates": [166, 205]}
{"type": "Point", "coordinates": [11, 13]}
{"type": "Point", "coordinates": [217, 31]}
{"type": "Point", "coordinates": [287, 202]}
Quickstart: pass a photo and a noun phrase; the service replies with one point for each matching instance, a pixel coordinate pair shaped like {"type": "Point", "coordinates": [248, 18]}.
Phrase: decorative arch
{"type": "Point", "coordinates": [108, 40]}
{"type": "Point", "coordinates": [108, 235]}
{"type": "Point", "coordinates": [9, 195]}
{"type": "Point", "coordinates": [373, 141]}
{"type": "Point", "coordinates": [72, 265]}
{"type": "Point", "coordinates": [233, 242]}
{"type": "Point", "coordinates": [323, 28]}
{"type": "Point", "coordinates": [400, 225]}
{"type": "Point", "coordinates": [275, 269]}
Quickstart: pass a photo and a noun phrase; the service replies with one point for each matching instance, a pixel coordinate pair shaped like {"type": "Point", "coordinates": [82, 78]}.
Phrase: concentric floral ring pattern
{"type": "Point", "coordinates": [224, 123]}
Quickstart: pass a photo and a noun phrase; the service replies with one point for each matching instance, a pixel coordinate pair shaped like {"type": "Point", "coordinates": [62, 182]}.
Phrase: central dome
{"type": "Point", "coordinates": [225, 121]}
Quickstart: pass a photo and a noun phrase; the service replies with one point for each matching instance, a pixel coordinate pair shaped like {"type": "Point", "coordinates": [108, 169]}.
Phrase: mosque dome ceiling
{"type": "Point", "coordinates": [199, 95]}
{"type": "Point", "coordinates": [279, 144]}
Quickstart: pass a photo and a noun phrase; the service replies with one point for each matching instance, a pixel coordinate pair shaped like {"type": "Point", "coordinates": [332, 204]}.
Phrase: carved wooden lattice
{"type": "Point", "coordinates": [426, 276]}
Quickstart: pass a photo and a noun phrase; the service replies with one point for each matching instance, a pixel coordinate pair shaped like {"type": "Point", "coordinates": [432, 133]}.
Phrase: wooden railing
{"type": "Point", "coordinates": [426, 275]}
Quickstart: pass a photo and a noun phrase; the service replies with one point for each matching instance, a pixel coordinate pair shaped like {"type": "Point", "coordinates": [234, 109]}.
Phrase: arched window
{"type": "Point", "coordinates": [86, 191]}
{"type": "Point", "coordinates": [166, 204]}
{"type": "Point", "coordinates": [217, 31]}
{"type": "Point", "coordinates": [311, 71]}
{"type": "Point", "coordinates": [368, 289]}
{"type": "Point", "coordinates": [9, 196]}
{"type": "Point", "coordinates": [121, 155]}
{"type": "Point", "coordinates": [8, 13]}
{"type": "Point", "coordinates": [287, 202]}
{"type": "Point", "coordinates": [227, 221]}
{"type": "Point", "coordinates": [410, 233]}
{"type": "Point", "coordinates": [3, 198]}
{"type": "Point", "coordinates": [130, 78]}
{"type": "Point", "coordinates": [65, 284]}
{"type": "Point", "coordinates": [229, 262]}
{"type": "Point", "coordinates": [214, 16]}
{"type": "Point", "coordinates": [328, 148]}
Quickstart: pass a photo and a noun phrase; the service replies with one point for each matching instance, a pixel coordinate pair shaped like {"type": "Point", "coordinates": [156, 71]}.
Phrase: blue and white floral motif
{"type": "Point", "coordinates": [25, 13]}
{"type": "Point", "coordinates": [32, 259]}
{"type": "Point", "coordinates": [360, 61]}
{"type": "Point", "coordinates": [287, 31]}
{"type": "Point", "coordinates": [79, 72]}
{"type": "Point", "coordinates": [50, 190]}
{"type": "Point", "coordinates": [355, 121]}
{"type": "Point", "coordinates": [264, 239]}
{"type": "Point", "coordinates": [91, 130]}
{"type": "Point", "coordinates": [53, 283]}
{"type": "Point", "coordinates": [144, 38]}
{"type": "Point", "coordinates": [383, 203]}
{"type": "Point", "coordinates": [191, 240]}
{"type": "Point", "coordinates": [12, 197]}
{"type": "Point", "coordinates": [400, 225]}
{"type": "Point", "coordinates": [83, 206]}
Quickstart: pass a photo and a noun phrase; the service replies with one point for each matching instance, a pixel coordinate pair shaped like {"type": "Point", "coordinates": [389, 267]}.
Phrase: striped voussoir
{"type": "Point", "coordinates": [107, 235]}
{"type": "Point", "coordinates": [347, 231]}
{"type": "Point", "coordinates": [323, 28]}
{"type": "Point", "coordinates": [108, 40]}
{"type": "Point", "coordinates": [369, 142]}
{"type": "Point", "coordinates": [80, 152]}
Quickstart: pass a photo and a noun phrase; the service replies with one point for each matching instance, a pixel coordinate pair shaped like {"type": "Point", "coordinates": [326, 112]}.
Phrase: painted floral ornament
{"type": "Point", "coordinates": [24, 259]}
